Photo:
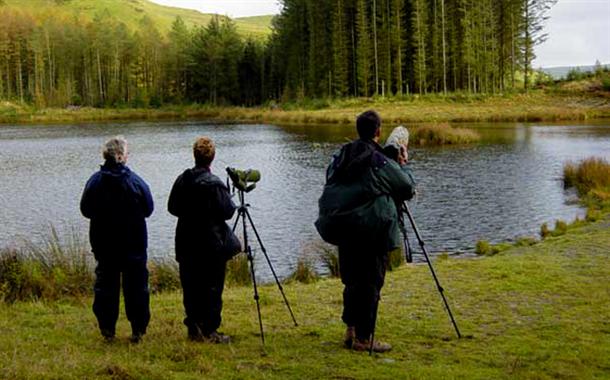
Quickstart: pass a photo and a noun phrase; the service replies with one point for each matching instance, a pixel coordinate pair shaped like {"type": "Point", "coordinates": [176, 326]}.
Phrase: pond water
{"type": "Point", "coordinates": [499, 190]}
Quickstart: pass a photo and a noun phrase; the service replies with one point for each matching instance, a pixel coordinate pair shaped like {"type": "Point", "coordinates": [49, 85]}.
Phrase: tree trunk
{"type": "Point", "coordinates": [375, 47]}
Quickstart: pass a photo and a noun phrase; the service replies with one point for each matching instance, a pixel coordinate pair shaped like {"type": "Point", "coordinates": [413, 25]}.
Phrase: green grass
{"type": "Point", "coordinates": [537, 312]}
{"type": "Point", "coordinates": [130, 12]}
{"type": "Point", "coordinates": [536, 106]}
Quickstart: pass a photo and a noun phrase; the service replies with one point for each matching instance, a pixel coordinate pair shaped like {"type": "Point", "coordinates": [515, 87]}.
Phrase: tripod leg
{"type": "Point", "coordinates": [236, 221]}
{"type": "Point", "coordinates": [277, 281]}
{"type": "Point", "coordinates": [256, 296]}
{"type": "Point", "coordinates": [405, 242]}
{"type": "Point", "coordinates": [438, 285]}
{"type": "Point", "coordinates": [248, 250]}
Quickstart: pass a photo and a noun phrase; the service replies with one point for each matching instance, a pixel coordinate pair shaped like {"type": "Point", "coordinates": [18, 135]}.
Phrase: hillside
{"type": "Point", "coordinates": [131, 12]}
{"type": "Point", "coordinates": [561, 72]}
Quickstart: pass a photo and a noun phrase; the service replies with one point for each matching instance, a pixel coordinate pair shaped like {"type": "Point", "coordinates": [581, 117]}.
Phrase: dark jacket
{"type": "Point", "coordinates": [202, 203]}
{"type": "Point", "coordinates": [358, 204]}
{"type": "Point", "coordinates": [117, 201]}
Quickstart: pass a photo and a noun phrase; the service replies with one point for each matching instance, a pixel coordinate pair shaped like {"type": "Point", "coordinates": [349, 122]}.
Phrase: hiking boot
{"type": "Point", "coordinates": [216, 338]}
{"type": "Point", "coordinates": [107, 334]}
{"type": "Point", "coordinates": [365, 345]}
{"type": "Point", "coordinates": [136, 337]}
{"type": "Point", "coordinates": [194, 334]}
{"type": "Point", "coordinates": [350, 335]}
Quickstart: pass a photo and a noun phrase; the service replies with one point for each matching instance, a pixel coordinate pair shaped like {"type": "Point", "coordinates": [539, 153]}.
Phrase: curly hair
{"type": "Point", "coordinates": [204, 151]}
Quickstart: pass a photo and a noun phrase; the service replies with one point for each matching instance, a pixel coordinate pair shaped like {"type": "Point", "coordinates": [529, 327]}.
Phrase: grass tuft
{"type": "Point", "coordinates": [442, 134]}
{"type": "Point", "coordinates": [590, 177]}
{"type": "Point", "coordinates": [238, 271]}
{"type": "Point", "coordinates": [304, 272]}
{"type": "Point", "coordinates": [329, 258]}
{"type": "Point", "coordinates": [164, 276]}
{"type": "Point", "coordinates": [396, 259]}
{"type": "Point", "coordinates": [50, 270]}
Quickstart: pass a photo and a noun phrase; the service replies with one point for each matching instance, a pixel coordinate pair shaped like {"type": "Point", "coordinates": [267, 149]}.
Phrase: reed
{"type": "Point", "coordinates": [442, 134]}
{"type": "Point", "coordinates": [590, 177]}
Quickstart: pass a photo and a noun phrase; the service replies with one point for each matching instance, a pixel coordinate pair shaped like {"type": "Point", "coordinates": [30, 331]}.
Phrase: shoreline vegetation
{"type": "Point", "coordinates": [535, 106]}
{"type": "Point", "coordinates": [59, 267]}
{"type": "Point", "coordinates": [530, 311]}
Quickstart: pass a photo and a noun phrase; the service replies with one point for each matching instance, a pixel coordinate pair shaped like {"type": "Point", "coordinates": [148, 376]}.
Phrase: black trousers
{"type": "Point", "coordinates": [134, 276]}
{"type": "Point", "coordinates": [202, 286]}
{"type": "Point", "coordinates": [363, 273]}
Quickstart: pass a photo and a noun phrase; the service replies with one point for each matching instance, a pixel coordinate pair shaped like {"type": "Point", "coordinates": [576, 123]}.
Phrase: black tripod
{"type": "Point", "coordinates": [244, 215]}
{"type": "Point", "coordinates": [405, 209]}
{"type": "Point", "coordinates": [409, 257]}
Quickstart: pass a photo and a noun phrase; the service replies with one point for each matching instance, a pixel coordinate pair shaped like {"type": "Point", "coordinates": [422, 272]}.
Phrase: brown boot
{"type": "Point", "coordinates": [350, 335]}
{"type": "Point", "coordinates": [365, 345]}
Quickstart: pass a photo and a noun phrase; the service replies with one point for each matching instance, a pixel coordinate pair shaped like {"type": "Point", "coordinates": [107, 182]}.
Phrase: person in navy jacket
{"type": "Point", "coordinates": [117, 202]}
{"type": "Point", "coordinates": [202, 204]}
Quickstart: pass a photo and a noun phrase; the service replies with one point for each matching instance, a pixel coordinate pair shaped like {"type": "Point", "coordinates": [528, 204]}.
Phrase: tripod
{"type": "Point", "coordinates": [407, 211]}
{"type": "Point", "coordinates": [409, 257]}
{"type": "Point", "coordinates": [244, 215]}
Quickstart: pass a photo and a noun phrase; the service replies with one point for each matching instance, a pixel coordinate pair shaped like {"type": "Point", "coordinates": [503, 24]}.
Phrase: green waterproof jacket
{"type": "Point", "coordinates": [359, 202]}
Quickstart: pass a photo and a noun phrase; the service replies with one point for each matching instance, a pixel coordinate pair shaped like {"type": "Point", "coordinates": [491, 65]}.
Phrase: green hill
{"type": "Point", "coordinates": [255, 25]}
{"type": "Point", "coordinates": [131, 12]}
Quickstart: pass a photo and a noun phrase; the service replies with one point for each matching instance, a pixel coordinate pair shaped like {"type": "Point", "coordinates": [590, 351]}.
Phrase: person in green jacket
{"type": "Point", "coordinates": [358, 213]}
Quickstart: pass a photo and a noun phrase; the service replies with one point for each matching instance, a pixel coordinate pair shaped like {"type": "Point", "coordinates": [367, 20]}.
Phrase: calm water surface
{"type": "Point", "coordinates": [499, 190]}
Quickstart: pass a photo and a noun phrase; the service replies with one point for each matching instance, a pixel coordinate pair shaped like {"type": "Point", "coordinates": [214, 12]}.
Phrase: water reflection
{"type": "Point", "coordinates": [498, 190]}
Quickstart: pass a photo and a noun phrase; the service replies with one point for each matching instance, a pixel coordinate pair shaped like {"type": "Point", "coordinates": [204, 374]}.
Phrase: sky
{"type": "Point", "coordinates": [579, 30]}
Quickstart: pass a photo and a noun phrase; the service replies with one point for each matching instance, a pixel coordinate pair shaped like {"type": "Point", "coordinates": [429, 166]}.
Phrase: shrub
{"type": "Point", "coordinates": [606, 82]}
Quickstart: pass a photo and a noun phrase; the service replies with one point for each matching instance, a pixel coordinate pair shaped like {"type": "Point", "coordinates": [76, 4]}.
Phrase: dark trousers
{"type": "Point", "coordinates": [134, 276]}
{"type": "Point", "coordinates": [202, 285]}
{"type": "Point", "coordinates": [363, 273]}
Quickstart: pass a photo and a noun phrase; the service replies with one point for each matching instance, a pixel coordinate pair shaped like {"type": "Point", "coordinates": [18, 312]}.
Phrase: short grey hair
{"type": "Point", "coordinates": [115, 150]}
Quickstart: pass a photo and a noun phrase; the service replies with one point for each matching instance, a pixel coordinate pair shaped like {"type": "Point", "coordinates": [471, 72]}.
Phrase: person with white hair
{"type": "Point", "coordinates": [117, 202]}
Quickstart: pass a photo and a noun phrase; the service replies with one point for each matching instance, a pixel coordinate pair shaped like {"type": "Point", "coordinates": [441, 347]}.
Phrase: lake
{"type": "Point", "coordinates": [499, 190]}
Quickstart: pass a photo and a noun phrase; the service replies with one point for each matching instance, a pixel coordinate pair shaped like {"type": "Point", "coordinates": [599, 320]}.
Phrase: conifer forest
{"type": "Point", "coordinates": [316, 49]}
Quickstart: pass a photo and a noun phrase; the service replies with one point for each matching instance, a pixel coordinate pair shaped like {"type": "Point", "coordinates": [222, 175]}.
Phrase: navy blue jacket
{"type": "Point", "coordinates": [117, 201]}
{"type": "Point", "coordinates": [202, 203]}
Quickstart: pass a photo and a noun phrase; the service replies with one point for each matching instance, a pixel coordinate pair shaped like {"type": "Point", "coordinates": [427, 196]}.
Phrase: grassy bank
{"type": "Point", "coordinates": [533, 312]}
{"type": "Point", "coordinates": [536, 106]}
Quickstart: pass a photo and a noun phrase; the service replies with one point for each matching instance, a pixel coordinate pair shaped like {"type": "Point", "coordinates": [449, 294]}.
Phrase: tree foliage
{"type": "Point", "coordinates": [318, 48]}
